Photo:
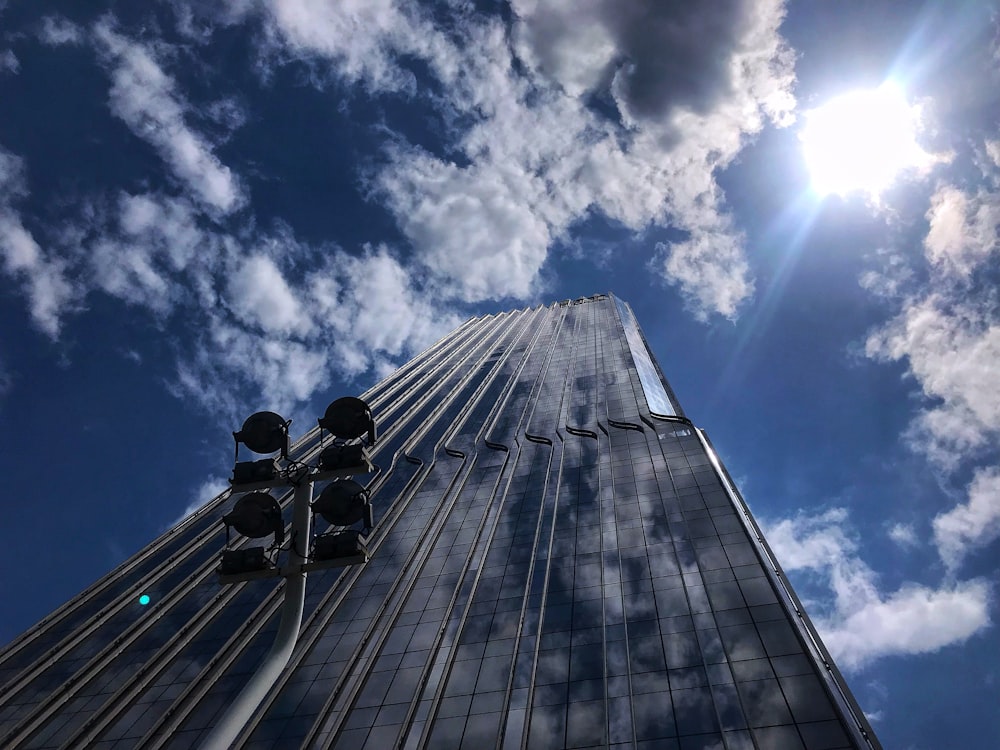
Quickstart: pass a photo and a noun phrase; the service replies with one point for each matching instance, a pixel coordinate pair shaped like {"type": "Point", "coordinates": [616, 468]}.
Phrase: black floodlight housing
{"type": "Point", "coordinates": [347, 543]}
{"type": "Point", "coordinates": [256, 515]}
{"type": "Point", "coordinates": [247, 472]}
{"type": "Point", "coordinates": [342, 457]}
{"type": "Point", "coordinates": [344, 503]}
{"type": "Point", "coordinates": [264, 432]}
{"type": "Point", "coordinates": [245, 560]}
{"type": "Point", "coordinates": [348, 418]}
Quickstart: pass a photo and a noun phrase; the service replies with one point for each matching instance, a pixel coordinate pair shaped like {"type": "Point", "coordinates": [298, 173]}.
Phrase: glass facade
{"type": "Point", "coordinates": [559, 561]}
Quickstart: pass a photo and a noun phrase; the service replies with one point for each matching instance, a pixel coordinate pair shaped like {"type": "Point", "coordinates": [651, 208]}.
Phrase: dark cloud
{"type": "Point", "coordinates": [675, 53]}
{"type": "Point", "coordinates": [656, 55]}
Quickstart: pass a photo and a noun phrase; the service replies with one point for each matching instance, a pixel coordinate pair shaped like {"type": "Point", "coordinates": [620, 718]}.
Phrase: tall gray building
{"type": "Point", "coordinates": [559, 560]}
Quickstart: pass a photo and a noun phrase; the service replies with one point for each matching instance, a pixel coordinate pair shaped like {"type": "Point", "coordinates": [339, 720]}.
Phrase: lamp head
{"type": "Point", "coordinates": [264, 432]}
{"type": "Point", "coordinates": [348, 418]}
{"type": "Point", "coordinates": [256, 515]}
{"type": "Point", "coordinates": [342, 503]}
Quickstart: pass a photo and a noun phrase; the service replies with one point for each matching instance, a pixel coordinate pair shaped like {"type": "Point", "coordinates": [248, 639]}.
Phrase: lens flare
{"type": "Point", "coordinates": [862, 141]}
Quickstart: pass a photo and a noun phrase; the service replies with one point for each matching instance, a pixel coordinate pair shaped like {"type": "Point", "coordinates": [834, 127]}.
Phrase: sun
{"type": "Point", "coordinates": [861, 141]}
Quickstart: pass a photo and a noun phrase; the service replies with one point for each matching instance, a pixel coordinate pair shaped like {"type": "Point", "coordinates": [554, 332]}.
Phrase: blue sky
{"type": "Point", "coordinates": [204, 213]}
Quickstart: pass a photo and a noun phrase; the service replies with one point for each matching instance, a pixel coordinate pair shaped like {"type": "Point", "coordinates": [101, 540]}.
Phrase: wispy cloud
{"type": "Point", "coordinates": [9, 62]}
{"type": "Point", "coordinates": [864, 623]}
{"type": "Point", "coordinates": [147, 100]}
{"type": "Point", "coordinates": [43, 278]}
{"type": "Point", "coordinates": [904, 535]}
{"type": "Point", "coordinates": [972, 524]}
{"type": "Point", "coordinates": [56, 31]}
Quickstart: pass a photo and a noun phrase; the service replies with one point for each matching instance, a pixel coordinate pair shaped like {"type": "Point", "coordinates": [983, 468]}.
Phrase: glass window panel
{"type": "Point", "coordinates": [763, 703]}
{"type": "Point", "coordinates": [741, 554]}
{"type": "Point", "coordinates": [586, 662]}
{"type": "Point", "coordinates": [375, 689]}
{"type": "Point", "coordinates": [653, 717]}
{"type": "Point", "coordinates": [824, 735]}
{"type": "Point", "coordinates": [806, 698]}
{"type": "Point", "coordinates": [586, 690]}
{"type": "Point", "coordinates": [688, 677]}
{"type": "Point", "coordinates": [553, 666]}
{"type": "Point", "coordinates": [462, 680]}
{"type": "Point", "coordinates": [671, 603]}
{"type": "Point", "coordinates": [694, 711]}
{"type": "Point", "coordinates": [752, 669]}
{"type": "Point", "coordinates": [550, 695]}
{"type": "Point", "coordinates": [548, 727]}
{"type": "Point", "coordinates": [757, 591]}
{"type": "Point", "coordinates": [727, 703]}
{"type": "Point", "coordinates": [711, 646]}
{"type": "Point", "coordinates": [718, 575]}
{"type": "Point", "coordinates": [619, 720]}
{"type": "Point", "coordinates": [646, 654]}
{"type": "Point", "coordinates": [778, 637]}
{"type": "Point", "coordinates": [480, 731]}
{"type": "Point", "coordinates": [446, 733]}
{"type": "Point", "coordinates": [725, 595]}
{"type": "Point", "coordinates": [457, 705]}
{"type": "Point", "coordinates": [789, 665]}
{"type": "Point", "coordinates": [767, 613]}
{"type": "Point", "coordinates": [681, 650]}
{"type": "Point", "coordinates": [737, 616]}
{"type": "Point", "coordinates": [585, 724]}
{"type": "Point", "coordinates": [778, 738]}
{"type": "Point", "coordinates": [650, 682]}
{"type": "Point", "coordinates": [742, 642]}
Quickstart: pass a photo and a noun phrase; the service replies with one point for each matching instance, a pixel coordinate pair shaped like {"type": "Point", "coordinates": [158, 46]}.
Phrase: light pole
{"type": "Point", "coordinates": [257, 514]}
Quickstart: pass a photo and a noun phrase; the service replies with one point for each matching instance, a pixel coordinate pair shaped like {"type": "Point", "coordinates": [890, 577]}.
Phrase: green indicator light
{"type": "Point", "coordinates": [144, 600]}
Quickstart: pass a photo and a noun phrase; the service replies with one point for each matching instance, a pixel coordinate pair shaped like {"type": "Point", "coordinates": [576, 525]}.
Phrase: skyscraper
{"type": "Point", "coordinates": [558, 560]}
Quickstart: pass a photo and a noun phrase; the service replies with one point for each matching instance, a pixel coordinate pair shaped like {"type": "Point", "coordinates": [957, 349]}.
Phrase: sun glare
{"type": "Point", "coordinates": [861, 141]}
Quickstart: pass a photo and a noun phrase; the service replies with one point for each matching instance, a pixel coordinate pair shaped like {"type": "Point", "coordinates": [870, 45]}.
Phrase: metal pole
{"type": "Point", "coordinates": [240, 712]}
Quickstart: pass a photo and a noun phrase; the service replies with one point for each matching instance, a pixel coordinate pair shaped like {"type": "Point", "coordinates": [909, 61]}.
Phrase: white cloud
{"type": "Point", "coordinates": [155, 255]}
{"type": "Point", "coordinates": [952, 347]}
{"type": "Point", "coordinates": [903, 534]}
{"type": "Point", "coordinates": [532, 156]}
{"type": "Point", "coordinates": [710, 269]}
{"type": "Point", "coordinates": [43, 278]}
{"type": "Point", "coordinates": [973, 524]}
{"type": "Point", "coordinates": [993, 151]}
{"type": "Point", "coordinates": [963, 229]}
{"type": "Point", "coordinates": [363, 38]}
{"type": "Point", "coordinates": [56, 31]}
{"type": "Point", "coordinates": [476, 232]}
{"type": "Point", "coordinates": [9, 62]}
{"type": "Point", "coordinates": [862, 623]}
{"type": "Point", "coordinates": [381, 312]}
{"type": "Point", "coordinates": [259, 295]}
{"type": "Point", "coordinates": [146, 98]}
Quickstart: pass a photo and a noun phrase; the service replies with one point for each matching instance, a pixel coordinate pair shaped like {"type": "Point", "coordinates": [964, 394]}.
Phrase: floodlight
{"type": "Point", "coordinates": [344, 503]}
{"type": "Point", "coordinates": [348, 543]}
{"type": "Point", "coordinates": [256, 515]}
{"type": "Point", "coordinates": [245, 560]}
{"type": "Point", "coordinates": [343, 457]}
{"type": "Point", "coordinates": [264, 432]}
{"type": "Point", "coordinates": [247, 472]}
{"type": "Point", "coordinates": [348, 418]}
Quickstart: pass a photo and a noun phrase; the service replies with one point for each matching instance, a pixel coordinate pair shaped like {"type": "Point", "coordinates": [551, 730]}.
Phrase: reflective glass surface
{"type": "Point", "coordinates": [552, 566]}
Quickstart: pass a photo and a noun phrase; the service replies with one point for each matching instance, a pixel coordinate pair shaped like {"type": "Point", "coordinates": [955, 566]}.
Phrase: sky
{"type": "Point", "coordinates": [208, 209]}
